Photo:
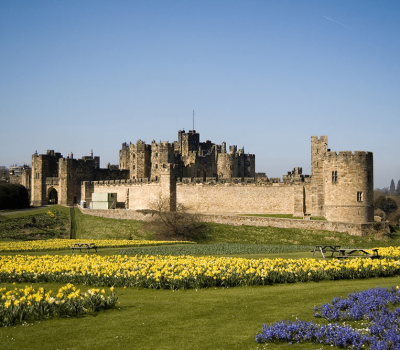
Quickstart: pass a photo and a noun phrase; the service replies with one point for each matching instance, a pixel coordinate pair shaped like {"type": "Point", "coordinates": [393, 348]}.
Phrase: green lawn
{"type": "Point", "coordinates": [94, 227]}
{"type": "Point", "coordinates": [186, 319]}
{"type": "Point", "coordinates": [211, 318]}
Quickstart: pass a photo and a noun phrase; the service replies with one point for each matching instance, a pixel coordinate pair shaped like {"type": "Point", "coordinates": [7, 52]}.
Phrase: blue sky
{"type": "Point", "coordinates": [266, 75]}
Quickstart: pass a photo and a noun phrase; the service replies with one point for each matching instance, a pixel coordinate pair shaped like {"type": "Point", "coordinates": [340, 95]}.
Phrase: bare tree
{"type": "Point", "coordinates": [179, 223]}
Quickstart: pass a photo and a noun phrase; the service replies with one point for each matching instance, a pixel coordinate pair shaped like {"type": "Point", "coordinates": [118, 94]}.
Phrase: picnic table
{"type": "Point", "coordinates": [325, 248]}
{"type": "Point", "coordinates": [87, 246]}
{"type": "Point", "coordinates": [358, 253]}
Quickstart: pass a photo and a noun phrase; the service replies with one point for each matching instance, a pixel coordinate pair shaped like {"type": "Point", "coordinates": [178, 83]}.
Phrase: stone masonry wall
{"type": "Point", "coordinates": [139, 194]}
{"type": "Point", "coordinates": [237, 198]}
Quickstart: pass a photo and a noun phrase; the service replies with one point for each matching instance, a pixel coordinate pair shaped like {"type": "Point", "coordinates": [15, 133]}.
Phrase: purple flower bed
{"type": "Point", "coordinates": [371, 306]}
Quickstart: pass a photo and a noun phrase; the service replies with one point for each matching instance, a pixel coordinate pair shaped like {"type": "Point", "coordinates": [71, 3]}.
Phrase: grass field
{"type": "Point", "coordinates": [185, 319]}
{"type": "Point", "coordinates": [209, 318]}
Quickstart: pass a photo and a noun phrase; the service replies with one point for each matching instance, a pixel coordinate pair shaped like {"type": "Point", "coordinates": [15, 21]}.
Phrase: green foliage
{"type": "Point", "coordinates": [13, 196]}
{"type": "Point", "coordinates": [214, 249]}
{"type": "Point", "coordinates": [388, 205]}
{"type": "Point", "coordinates": [35, 225]}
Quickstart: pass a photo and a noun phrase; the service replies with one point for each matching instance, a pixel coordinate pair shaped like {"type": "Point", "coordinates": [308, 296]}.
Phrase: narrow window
{"type": "Point", "coordinates": [359, 196]}
{"type": "Point", "coordinates": [133, 167]}
{"type": "Point", "coordinates": [334, 176]}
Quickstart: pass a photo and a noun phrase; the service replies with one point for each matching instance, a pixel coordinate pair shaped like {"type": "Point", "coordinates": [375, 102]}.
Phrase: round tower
{"type": "Point", "coordinates": [348, 187]}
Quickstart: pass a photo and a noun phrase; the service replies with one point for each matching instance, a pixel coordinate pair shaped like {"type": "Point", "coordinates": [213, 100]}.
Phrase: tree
{"type": "Point", "coordinates": [388, 205]}
{"type": "Point", "coordinates": [398, 187]}
{"type": "Point", "coordinates": [178, 223]}
{"type": "Point", "coordinates": [392, 189]}
{"type": "Point", "coordinates": [13, 196]}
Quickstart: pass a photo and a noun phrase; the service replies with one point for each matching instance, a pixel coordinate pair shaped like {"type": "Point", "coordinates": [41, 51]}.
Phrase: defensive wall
{"type": "Point", "coordinates": [201, 196]}
{"type": "Point", "coordinates": [235, 220]}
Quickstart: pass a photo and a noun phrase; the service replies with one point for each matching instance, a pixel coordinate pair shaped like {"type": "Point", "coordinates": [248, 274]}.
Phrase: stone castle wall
{"type": "Point", "coordinates": [236, 198]}
{"type": "Point", "coordinates": [200, 197]}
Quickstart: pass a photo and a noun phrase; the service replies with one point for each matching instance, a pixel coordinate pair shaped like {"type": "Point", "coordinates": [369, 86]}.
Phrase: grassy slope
{"type": "Point", "coordinates": [217, 233]}
{"type": "Point", "coordinates": [98, 228]}
{"type": "Point", "coordinates": [35, 224]}
{"type": "Point", "coordinates": [91, 227]}
{"type": "Point", "coordinates": [94, 227]}
{"type": "Point", "coordinates": [21, 213]}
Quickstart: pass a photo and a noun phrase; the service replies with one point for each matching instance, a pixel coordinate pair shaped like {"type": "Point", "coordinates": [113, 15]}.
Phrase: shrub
{"type": "Point", "coordinates": [388, 205]}
{"type": "Point", "coordinates": [13, 196]}
{"type": "Point", "coordinates": [380, 213]}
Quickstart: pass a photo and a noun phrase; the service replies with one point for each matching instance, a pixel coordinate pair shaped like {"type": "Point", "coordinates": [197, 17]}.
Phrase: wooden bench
{"type": "Point", "coordinates": [325, 248]}
{"type": "Point", "coordinates": [87, 246]}
{"type": "Point", "coordinates": [358, 253]}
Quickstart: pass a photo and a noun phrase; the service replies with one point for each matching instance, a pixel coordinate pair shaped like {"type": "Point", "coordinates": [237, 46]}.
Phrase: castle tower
{"type": "Point", "coordinates": [124, 157]}
{"type": "Point", "coordinates": [162, 153]}
{"type": "Point", "coordinates": [348, 187]}
{"type": "Point", "coordinates": [140, 160]}
{"type": "Point", "coordinates": [44, 178]}
{"type": "Point", "coordinates": [188, 142]}
{"type": "Point", "coordinates": [319, 147]}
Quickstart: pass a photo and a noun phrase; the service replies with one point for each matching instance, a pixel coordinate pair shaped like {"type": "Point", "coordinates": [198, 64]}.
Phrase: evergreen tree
{"type": "Point", "coordinates": [398, 187]}
{"type": "Point", "coordinates": [392, 189]}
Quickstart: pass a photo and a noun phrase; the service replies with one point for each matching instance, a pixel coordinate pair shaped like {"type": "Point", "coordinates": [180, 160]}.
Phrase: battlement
{"type": "Point", "coordinates": [355, 156]}
{"type": "Point", "coordinates": [162, 146]}
{"type": "Point", "coordinates": [232, 149]}
{"type": "Point", "coordinates": [49, 154]}
{"type": "Point", "coordinates": [323, 138]}
{"type": "Point", "coordinates": [142, 181]}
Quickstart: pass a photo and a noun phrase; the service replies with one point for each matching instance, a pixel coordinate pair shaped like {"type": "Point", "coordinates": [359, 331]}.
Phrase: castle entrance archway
{"type": "Point", "coordinates": [53, 196]}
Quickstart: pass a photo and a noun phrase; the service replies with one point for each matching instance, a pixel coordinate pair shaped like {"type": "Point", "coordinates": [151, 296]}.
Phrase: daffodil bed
{"type": "Point", "coordinates": [62, 244]}
{"type": "Point", "coordinates": [379, 331]}
{"type": "Point", "coordinates": [21, 305]}
{"type": "Point", "coordinates": [171, 272]}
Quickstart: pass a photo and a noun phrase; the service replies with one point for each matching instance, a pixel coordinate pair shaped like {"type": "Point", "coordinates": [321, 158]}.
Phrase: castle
{"type": "Point", "coordinates": [206, 178]}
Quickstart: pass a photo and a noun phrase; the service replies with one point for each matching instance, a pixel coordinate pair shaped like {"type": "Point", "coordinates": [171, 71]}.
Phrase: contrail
{"type": "Point", "coordinates": [336, 21]}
